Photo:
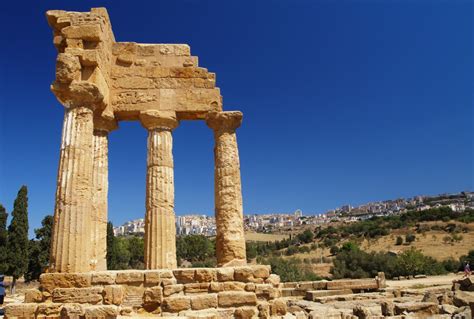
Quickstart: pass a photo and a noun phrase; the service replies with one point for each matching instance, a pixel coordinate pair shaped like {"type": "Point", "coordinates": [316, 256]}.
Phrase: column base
{"type": "Point", "coordinates": [227, 292]}
{"type": "Point", "coordinates": [235, 263]}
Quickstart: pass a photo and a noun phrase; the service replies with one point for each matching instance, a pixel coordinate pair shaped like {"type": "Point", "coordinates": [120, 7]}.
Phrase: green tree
{"type": "Point", "coordinates": [136, 248]}
{"type": "Point", "coordinates": [120, 254]}
{"type": "Point", "coordinates": [110, 244]}
{"type": "Point", "coordinates": [18, 237]}
{"type": "Point", "coordinates": [39, 249]}
{"type": "Point", "coordinates": [306, 236]}
{"type": "Point", "coordinates": [3, 240]}
{"type": "Point", "coordinates": [195, 248]}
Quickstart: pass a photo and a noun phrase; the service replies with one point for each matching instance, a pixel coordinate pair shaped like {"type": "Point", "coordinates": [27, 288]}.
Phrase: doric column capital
{"type": "Point", "coordinates": [102, 124]}
{"type": "Point", "coordinates": [224, 121]}
{"type": "Point", "coordinates": [159, 120]}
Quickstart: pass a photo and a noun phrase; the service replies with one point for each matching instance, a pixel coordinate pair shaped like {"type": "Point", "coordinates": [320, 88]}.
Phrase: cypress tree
{"type": "Point", "coordinates": [3, 240]}
{"type": "Point", "coordinates": [110, 245]}
{"type": "Point", "coordinates": [18, 237]}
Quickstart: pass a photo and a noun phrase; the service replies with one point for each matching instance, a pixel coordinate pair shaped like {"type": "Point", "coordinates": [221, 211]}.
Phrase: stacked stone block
{"type": "Point", "coordinates": [229, 292]}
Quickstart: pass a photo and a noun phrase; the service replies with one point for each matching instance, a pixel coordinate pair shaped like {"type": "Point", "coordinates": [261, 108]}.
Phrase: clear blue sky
{"type": "Point", "coordinates": [344, 102]}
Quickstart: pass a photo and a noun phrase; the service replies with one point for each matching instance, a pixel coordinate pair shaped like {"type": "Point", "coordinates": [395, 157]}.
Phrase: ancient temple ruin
{"type": "Point", "coordinates": [101, 82]}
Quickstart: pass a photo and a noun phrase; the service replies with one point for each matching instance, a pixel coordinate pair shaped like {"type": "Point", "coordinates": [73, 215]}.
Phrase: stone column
{"type": "Point", "coordinates": [230, 241]}
{"type": "Point", "coordinates": [70, 246]}
{"type": "Point", "coordinates": [100, 180]}
{"type": "Point", "coordinates": [160, 227]}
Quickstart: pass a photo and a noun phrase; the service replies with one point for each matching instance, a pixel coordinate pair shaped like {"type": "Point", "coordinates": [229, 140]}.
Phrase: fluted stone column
{"type": "Point", "coordinates": [100, 180]}
{"type": "Point", "coordinates": [70, 247]}
{"type": "Point", "coordinates": [160, 227]}
{"type": "Point", "coordinates": [230, 241]}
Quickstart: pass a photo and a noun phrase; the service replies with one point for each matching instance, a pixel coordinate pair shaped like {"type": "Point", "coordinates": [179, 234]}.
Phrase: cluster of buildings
{"type": "Point", "coordinates": [206, 225]}
{"type": "Point", "coordinates": [457, 202]}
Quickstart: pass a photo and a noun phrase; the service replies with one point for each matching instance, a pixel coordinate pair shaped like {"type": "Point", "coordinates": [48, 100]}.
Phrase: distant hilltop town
{"type": "Point", "coordinates": [206, 225]}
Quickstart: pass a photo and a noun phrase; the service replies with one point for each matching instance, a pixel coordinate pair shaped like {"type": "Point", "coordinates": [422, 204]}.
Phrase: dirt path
{"type": "Point", "coordinates": [429, 281]}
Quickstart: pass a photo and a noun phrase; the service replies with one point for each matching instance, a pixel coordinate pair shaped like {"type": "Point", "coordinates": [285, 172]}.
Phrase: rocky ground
{"type": "Point", "coordinates": [431, 297]}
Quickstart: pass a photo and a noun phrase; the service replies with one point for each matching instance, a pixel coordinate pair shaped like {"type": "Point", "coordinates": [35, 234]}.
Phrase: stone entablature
{"type": "Point", "coordinates": [126, 78]}
{"type": "Point", "coordinates": [227, 292]}
{"type": "Point", "coordinates": [101, 82]}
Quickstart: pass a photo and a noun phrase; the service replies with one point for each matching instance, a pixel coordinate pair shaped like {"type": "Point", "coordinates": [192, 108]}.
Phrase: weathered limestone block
{"type": "Point", "coordinates": [216, 287]}
{"type": "Point", "coordinates": [90, 32]}
{"type": "Point", "coordinates": [261, 271]}
{"type": "Point", "coordinates": [354, 284]}
{"type": "Point", "coordinates": [312, 295]}
{"type": "Point", "coordinates": [21, 310]}
{"type": "Point", "coordinates": [236, 299]}
{"type": "Point", "coordinates": [199, 287]}
{"type": "Point", "coordinates": [33, 295]}
{"type": "Point", "coordinates": [201, 314]}
{"type": "Point", "coordinates": [166, 273]}
{"type": "Point", "coordinates": [48, 310]}
{"type": "Point", "coordinates": [113, 295]}
{"type": "Point", "coordinates": [104, 278]}
{"type": "Point", "coordinates": [101, 311]}
{"type": "Point", "coordinates": [205, 275]}
{"type": "Point", "coordinates": [263, 309]}
{"type": "Point", "coordinates": [72, 310]}
{"type": "Point", "coordinates": [244, 274]}
{"type": "Point", "coordinates": [274, 280]}
{"type": "Point", "coordinates": [233, 286]}
{"type": "Point", "coordinates": [250, 286]}
{"type": "Point", "coordinates": [246, 312]}
{"type": "Point", "coordinates": [92, 295]}
{"type": "Point", "coordinates": [129, 277]}
{"type": "Point", "coordinates": [172, 289]}
{"type": "Point", "coordinates": [320, 285]}
{"type": "Point", "coordinates": [68, 68]}
{"type": "Point", "coordinates": [160, 228]}
{"type": "Point", "coordinates": [176, 304]}
{"type": "Point", "coordinates": [152, 277]}
{"type": "Point", "coordinates": [278, 307]}
{"type": "Point", "coordinates": [168, 281]}
{"type": "Point", "coordinates": [305, 285]}
{"type": "Point", "coordinates": [200, 302]}
{"type": "Point", "coordinates": [50, 281]}
{"type": "Point", "coordinates": [420, 308]}
{"type": "Point", "coordinates": [184, 276]}
{"type": "Point", "coordinates": [152, 297]}
{"type": "Point", "coordinates": [266, 291]}
{"type": "Point", "coordinates": [126, 311]}
{"type": "Point", "coordinates": [230, 239]}
{"type": "Point", "coordinates": [225, 274]}
{"type": "Point", "coordinates": [388, 308]}
{"type": "Point", "coordinates": [464, 298]}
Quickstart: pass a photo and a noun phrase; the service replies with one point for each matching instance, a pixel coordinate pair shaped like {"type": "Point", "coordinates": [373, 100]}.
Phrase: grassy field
{"type": "Point", "coordinates": [430, 243]}
{"type": "Point", "coordinates": [250, 236]}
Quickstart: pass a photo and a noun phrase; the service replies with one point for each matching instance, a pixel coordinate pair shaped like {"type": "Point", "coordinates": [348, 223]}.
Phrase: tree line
{"type": "Point", "coordinates": [15, 248]}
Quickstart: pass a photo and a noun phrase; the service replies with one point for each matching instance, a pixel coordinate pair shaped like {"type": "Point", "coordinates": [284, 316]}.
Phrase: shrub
{"type": "Point", "coordinates": [306, 236]}
{"type": "Point", "coordinates": [399, 241]}
{"type": "Point", "coordinates": [451, 265]}
{"type": "Point", "coordinates": [334, 250]}
{"type": "Point", "coordinates": [409, 238]}
{"type": "Point", "coordinates": [291, 269]}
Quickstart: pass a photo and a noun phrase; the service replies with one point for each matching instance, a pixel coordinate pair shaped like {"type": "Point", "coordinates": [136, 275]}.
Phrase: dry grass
{"type": "Point", "coordinates": [430, 243]}
{"type": "Point", "coordinates": [264, 237]}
